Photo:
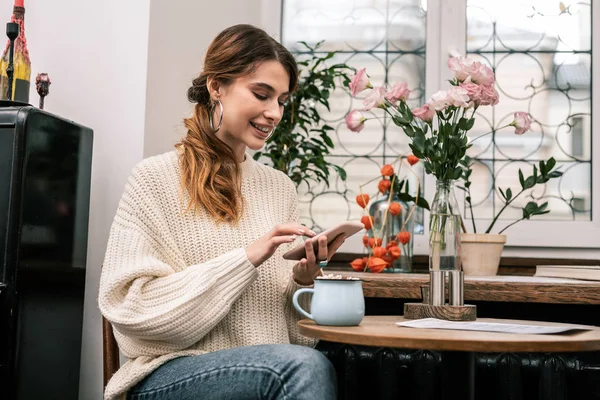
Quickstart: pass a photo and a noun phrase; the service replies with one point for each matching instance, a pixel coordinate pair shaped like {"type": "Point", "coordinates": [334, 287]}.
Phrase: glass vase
{"type": "Point", "coordinates": [444, 229]}
{"type": "Point", "coordinates": [387, 226]}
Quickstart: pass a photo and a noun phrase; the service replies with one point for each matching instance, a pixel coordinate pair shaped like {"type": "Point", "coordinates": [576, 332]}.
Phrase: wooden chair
{"type": "Point", "coordinates": [110, 351]}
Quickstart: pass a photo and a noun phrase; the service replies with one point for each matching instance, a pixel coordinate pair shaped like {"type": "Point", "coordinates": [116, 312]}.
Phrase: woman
{"type": "Point", "coordinates": [194, 262]}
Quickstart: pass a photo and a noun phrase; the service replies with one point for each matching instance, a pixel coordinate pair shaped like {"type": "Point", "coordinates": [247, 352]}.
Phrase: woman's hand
{"type": "Point", "coordinates": [308, 268]}
{"type": "Point", "coordinates": [263, 248]}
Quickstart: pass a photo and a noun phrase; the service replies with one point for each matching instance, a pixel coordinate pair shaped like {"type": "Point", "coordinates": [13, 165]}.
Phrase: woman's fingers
{"type": "Point", "coordinates": [291, 229]}
{"type": "Point", "coordinates": [336, 244]}
{"type": "Point", "coordinates": [279, 240]}
{"type": "Point", "coordinates": [310, 252]}
{"type": "Point", "coordinates": [302, 267]}
{"type": "Point", "coordinates": [322, 252]}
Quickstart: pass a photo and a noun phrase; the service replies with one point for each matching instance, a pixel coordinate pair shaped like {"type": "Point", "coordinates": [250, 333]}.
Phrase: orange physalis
{"type": "Point", "coordinates": [366, 240]}
{"type": "Point", "coordinates": [404, 237]}
{"type": "Point", "coordinates": [395, 252]}
{"type": "Point", "coordinates": [387, 170]}
{"type": "Point", "coordinates": [388, 259]}
{"type": "Point", "coordinates": [376, 264]}
{"type": "Point", "coordinates": [358, 264]}
{"type": "Point", "coordinates": [384, 185]}
{"type": "Point", "coordinates": [395, 208]}
{"type": "Point", "coordinates": [374, 242]}
{"type": "Point", "coordinates": [412, 159]}
{"type": "Point", "coordinates": [367, 221]}
{"type": "Point", "coordinates": [379, 251]}
{"type": "Point", "coordinates": [391, 243]}
{"type": "Point", "coordinates": [362, 200]}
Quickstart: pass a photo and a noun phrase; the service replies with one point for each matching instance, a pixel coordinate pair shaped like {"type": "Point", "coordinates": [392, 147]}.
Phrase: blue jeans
{"type": "Point", "coordinates": [274, 371]}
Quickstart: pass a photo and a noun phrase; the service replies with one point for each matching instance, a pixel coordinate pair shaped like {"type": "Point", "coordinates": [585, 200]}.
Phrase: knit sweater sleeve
{"type": "Point", "coordinates": [292, 316]}
{"type": "Point", "coordinates": [146, 292]}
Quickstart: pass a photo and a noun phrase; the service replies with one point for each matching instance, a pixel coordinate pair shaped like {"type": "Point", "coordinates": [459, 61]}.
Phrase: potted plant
{"type": "Point", "coordinates": [481, 252]}
{"type": "Point", "coordinates": [300, 143]}
{"type": "Point", "coordinates": [438, 134]}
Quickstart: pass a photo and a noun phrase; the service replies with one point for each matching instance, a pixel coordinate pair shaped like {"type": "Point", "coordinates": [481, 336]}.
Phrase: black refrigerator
{"type": "Point", "coordinates": [45, 168]}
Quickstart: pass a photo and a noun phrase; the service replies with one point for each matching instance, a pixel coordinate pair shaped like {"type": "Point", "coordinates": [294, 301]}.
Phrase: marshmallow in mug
{"type": "Point", "coordinates": [332, 276]}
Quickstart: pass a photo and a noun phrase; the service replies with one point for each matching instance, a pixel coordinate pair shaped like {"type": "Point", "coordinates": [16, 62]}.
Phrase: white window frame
{"type": "Point", "coordinates": [446, 32]}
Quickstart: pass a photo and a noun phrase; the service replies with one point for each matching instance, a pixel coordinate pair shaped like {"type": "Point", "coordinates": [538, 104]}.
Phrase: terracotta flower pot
{"type": "Point", "coordinates": [480, 253]}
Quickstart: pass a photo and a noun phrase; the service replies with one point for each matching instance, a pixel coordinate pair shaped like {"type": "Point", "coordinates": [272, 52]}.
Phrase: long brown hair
{"type": "Point", "coordinates": [210, 172]}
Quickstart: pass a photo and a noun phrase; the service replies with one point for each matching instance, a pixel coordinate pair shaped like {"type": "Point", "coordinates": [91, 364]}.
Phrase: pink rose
{"type": "Point", "coordinates": [424, 113]}
{"type": "Point", "coordinates": [355, 121]}
{"type": "Point", "coordinates": [459, 97]}
{"type": "Point", "coordinates": [522, 122]}
{"type": "Point", "coordinates": [473, 90]}
{"type": "Point", "coordinates": [359, 82]}
{"type": "Point", "coordinates": [375, 99]}
{"type": "Point", "coordinates": [440, 100]}
{"type": "Point", "coordinates": [463, 67]}
{"type": "Point", "coordinates": [489, 96]}
{"type": "Point", "coordinates": [399, 92]}
{"type": "Point", "coordinates": [483, 75]}
{"type": "Point", "coordinates": [467, 70]}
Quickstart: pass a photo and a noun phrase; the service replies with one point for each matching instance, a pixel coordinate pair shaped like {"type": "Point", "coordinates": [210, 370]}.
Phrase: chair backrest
{"type": "Point", "coordinates": [110, 351]}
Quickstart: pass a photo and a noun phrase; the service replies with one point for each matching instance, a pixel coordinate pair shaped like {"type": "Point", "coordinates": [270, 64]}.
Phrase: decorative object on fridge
{"type": "Point", "coordinates": [42, 85]}
{"type": "Point", "coordinates": [21, 64]}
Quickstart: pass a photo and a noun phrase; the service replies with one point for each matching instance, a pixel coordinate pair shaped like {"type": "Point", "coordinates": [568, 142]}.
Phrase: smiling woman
{"type": "Point", "coordinates": [193, 291]}
{"type": "Point", "coordinates": [254, 103]}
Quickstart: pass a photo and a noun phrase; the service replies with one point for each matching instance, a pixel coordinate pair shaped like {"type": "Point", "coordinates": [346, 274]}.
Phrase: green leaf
{"type": "Point", "coordinates": [328, 140]}
{"type": "Point", "coordinates": [419, 142]}
{"type": "Point", "coordinates": [551, 163]}
{"type": "Point", "coordinates": [470, 124]}
{"type": "Point", "coordinates": [508, 194]}
{"type": "Point", "coordinates": [421, 202]}
{"type": "Point", "coordinates": [409, 131]}
{"type": "Point", "coordinates": [555, 174]}
{"type": "Point", "coordinates": [457, 173]}
{"type": "Point", "coordinates": [529, 183]}
{"type": "Point", "coordinates": [502, 193]}
{"type": "Point", "coordinates": [521, 178]}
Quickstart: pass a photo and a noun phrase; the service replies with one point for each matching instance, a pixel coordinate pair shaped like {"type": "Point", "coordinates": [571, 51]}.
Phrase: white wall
{"type": "Point", "coordinates": [121, 68]}
{"type": "Point", "coordinates": [179, 37]}
{"type": "Point", "coordinates": [96, 55]}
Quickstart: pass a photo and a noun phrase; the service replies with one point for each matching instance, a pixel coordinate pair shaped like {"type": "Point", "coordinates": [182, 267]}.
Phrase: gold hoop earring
{"type": "Point", "coordinates": [210, 121]}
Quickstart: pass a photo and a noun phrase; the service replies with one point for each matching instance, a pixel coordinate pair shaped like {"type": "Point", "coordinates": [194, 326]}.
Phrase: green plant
{"type": "Point", "coordinates": [301, 141]}
{"type": "Point", "coordinates": [544, 174]}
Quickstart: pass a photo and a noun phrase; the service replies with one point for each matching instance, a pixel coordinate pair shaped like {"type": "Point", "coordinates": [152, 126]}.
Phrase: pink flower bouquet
{"type": "Point", "coordinates": [438, 129]}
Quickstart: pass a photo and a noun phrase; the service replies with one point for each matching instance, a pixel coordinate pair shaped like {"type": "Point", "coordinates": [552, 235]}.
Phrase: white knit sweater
{"type": "Point", "coordinates": [176, 284]}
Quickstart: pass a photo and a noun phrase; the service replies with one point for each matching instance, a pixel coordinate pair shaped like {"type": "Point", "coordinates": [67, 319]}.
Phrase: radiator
{"type": "Point", "coordinates": [384, 373]}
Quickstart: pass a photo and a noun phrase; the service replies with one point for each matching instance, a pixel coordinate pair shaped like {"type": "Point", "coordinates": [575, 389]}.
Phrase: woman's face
{"type": "Point", "coordinates": [252, 106]}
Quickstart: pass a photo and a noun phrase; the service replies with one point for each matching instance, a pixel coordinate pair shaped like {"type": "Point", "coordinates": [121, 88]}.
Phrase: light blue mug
{"type": "Point", "coordinates": [338, 302]}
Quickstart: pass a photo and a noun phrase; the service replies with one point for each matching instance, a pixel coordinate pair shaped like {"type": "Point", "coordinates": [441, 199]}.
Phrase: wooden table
{"type": "Point", "coordinates": [381, 331]}
{"type": "Point", "coordinates": [508, 288]}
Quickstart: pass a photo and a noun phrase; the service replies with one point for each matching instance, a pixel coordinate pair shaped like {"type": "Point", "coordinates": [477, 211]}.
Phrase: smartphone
{"type": "Point", "coordinates": [347, 228]}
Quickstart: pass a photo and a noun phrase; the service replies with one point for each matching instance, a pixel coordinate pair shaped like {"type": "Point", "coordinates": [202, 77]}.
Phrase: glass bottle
{"type": "Point", "coordinates": [387, 226]}
{"type": "Point", "coordinates": [21, 61]}
{"type": "Point", "coordinates": [444, 229]}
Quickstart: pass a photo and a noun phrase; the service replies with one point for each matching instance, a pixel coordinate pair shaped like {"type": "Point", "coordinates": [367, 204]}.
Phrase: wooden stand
{"type": "Point", "coordinates": [450, 313]}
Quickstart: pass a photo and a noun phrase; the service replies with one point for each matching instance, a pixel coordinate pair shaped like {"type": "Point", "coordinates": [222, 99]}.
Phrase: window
{"type": "Point", "coordinates": [541, 52]}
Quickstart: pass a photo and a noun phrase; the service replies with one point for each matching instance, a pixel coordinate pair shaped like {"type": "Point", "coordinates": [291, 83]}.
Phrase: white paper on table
{"type": "Point", "coordinates": [434, 323]}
